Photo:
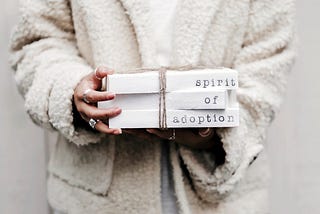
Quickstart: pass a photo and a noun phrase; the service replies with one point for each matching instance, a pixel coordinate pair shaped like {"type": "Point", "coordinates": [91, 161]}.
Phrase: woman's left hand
{"type": "Point", "coordinates": [194, 138]}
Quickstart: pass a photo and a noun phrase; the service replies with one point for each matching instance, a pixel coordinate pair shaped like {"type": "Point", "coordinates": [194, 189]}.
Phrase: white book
{"type": "Point", "coordinates": [176, 118]}
{"type": "Point", "coordinates": [148, 82]}
{"type": "Point", "coordinates": [197, 99]}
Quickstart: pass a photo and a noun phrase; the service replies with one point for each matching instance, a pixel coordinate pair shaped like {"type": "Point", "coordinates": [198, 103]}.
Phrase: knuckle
{"type": "Point", "coordinates": [100, 69]}
{"type": "Point", "coordinates": [90, 96]}
{"type": "Point", "coordinates": [91, 114]}
{"type": "Point", "coordinates": [95, 114]}
{"type": "Point", "coordinates": [80, 109]}
{"type": "Point", "coordinates": [77, 94]}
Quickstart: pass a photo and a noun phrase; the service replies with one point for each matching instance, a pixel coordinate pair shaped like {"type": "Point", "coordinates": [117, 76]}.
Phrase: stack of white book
{"type": "Point", "coordinates": [194, 98]}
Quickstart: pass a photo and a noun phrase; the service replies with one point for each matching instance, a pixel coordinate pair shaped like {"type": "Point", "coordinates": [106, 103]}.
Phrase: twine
{"type": "Point", "coordinates": [162, 99]}
{"type": "Point", "coordinates": [175, 68]}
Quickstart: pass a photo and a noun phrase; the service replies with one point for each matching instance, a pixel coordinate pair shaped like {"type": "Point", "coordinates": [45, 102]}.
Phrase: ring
{"type": "Point", "coordinates": [206, 132]}
{"type": "Point", "coordinates": [85, 99]}
{"type": "Point", "coordinates": [95, 73]}
{"type": "Point", "coordinates": [93, 123]}
{"type": "Point", "coordinates": [173, 136]}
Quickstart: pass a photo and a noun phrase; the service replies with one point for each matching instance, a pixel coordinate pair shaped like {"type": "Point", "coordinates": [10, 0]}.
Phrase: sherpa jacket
{"type": "Point", "coordinates": [58, 42]}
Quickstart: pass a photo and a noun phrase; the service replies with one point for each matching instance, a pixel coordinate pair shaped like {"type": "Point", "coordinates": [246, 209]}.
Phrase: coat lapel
{"type": "Point", "coordinates": [192, 23]}
{"type": "Point", "coordinates": [139, 14]}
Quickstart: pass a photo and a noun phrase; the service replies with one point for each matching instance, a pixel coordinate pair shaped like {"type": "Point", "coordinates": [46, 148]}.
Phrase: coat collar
{"type": "Point", "coordinates": [192, 21]}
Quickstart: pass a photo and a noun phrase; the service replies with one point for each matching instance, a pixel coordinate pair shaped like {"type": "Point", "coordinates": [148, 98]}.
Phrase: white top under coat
{"type": "Point", "coordinates": [162, 16]}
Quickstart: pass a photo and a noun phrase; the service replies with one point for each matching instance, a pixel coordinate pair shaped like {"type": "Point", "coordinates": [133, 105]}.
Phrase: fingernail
{"type": "Point", "coordinates": [117, 111]}
{"type": "Point", "coordinates": [149, 130]}
{"type": "Point", "coordinates": [120, 131]}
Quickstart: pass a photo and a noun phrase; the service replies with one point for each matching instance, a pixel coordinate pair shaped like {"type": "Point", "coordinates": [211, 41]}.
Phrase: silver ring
{"type": "Point", "coordinates": [95, 73]}
{"type": "Point", "coordinates": [84, 96]}
{"type": "Point", "coordinates": [173, 136]}
{"type": "Point", "coordinates": [93, 123]}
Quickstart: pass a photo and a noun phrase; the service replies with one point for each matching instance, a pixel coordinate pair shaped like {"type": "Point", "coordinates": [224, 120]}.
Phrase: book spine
{"type": "Point", "coordinates": [176, 118]}
{"type": "Point", "coordinates": [210, 99]}
{"type": "Point", "coordinates": [148, 82]}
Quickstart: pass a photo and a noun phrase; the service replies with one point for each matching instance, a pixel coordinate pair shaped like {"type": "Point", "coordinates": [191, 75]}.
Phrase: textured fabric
{"type": "Point", "coordinates": [57, 212]}
{"type": "Point", "coordinates": [56, 43]}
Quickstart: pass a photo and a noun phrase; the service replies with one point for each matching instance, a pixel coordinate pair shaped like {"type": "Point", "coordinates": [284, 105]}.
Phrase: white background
{"type": "Point", "coordinates": [293, 142]}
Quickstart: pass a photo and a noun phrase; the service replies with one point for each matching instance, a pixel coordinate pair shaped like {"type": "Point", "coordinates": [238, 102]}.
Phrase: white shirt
{"type": "Point", "coordinates": [162, 15]}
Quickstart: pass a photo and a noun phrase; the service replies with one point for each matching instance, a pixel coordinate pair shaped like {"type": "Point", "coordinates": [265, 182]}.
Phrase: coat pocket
{"type": "Point", "coordinates": [88, 167]}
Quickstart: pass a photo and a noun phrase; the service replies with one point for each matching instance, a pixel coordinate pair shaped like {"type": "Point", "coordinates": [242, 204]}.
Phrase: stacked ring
{"type": "Point", "coordinates": [93, 123]}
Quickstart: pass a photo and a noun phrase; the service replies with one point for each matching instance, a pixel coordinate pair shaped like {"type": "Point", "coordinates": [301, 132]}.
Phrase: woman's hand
{"type": "Point", "coordinates": [194, 138]}
{"type": "Point", "coordinates": [87, 94]}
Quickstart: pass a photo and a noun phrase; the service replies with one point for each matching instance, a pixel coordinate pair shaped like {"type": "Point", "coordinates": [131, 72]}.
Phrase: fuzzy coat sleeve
{"type": "Point", "coordinates": [263, 64]}
{"type": "Point", "coordinates": [47, 66]}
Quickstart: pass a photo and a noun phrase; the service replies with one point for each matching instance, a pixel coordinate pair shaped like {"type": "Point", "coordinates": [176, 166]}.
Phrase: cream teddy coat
{"type": "Point", "coordinates": [58, 42]}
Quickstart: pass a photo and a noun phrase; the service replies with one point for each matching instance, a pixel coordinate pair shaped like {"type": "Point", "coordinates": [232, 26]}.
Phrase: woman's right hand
{"type": "Point", "coordinates": [85, 98]}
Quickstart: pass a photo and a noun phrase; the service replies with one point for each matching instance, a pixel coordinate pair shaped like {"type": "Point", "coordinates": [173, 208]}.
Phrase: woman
{"type": "Point", "coordinates": [57, 45]}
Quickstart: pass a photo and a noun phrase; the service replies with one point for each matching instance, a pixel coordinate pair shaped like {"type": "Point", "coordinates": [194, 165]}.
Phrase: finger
{"type": "Point", "coordinates": [102, 127]}
{"type": "Point", "coordinates": [103, 71]}
{"type": "Point", "coordinates": [100, 73]}
{"type": "Point", "coordinates": [96, 113]}
{"type": "Point", "coordinates": [96, 96]}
